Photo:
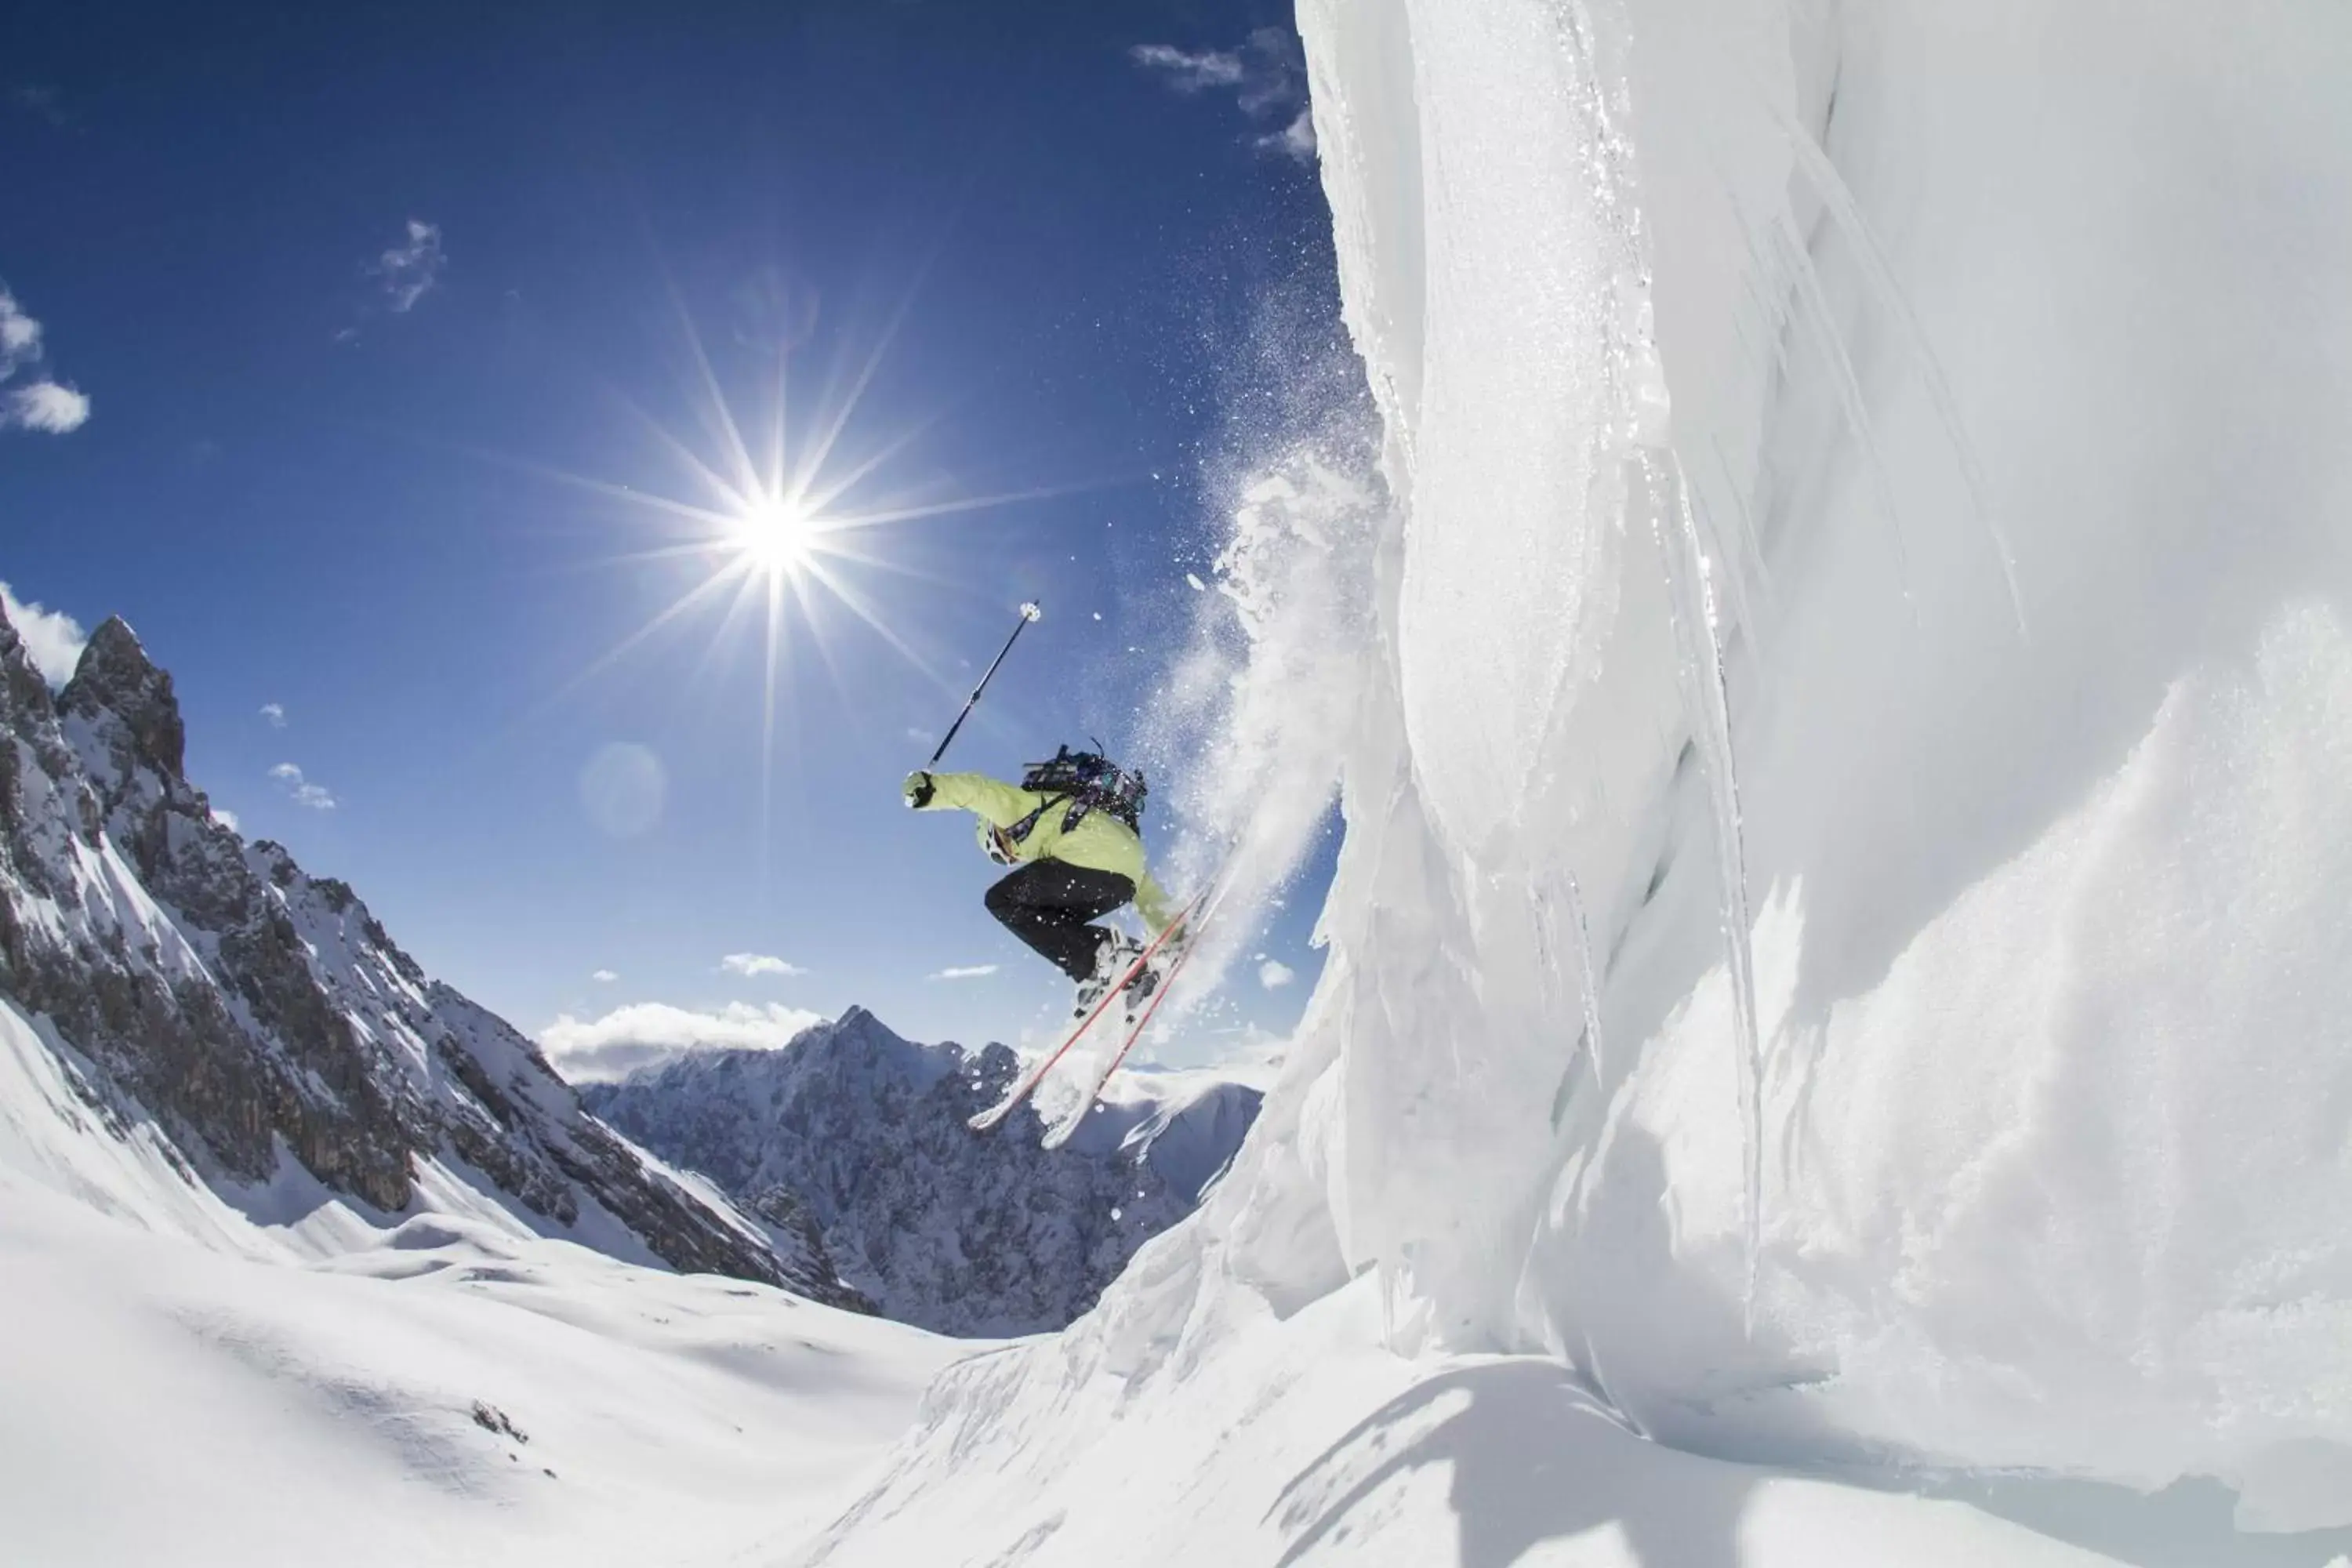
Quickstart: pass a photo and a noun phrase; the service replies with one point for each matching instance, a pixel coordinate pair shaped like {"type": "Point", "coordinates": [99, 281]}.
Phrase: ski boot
{"type": "Point", "coordinates": [1115, 956]}
{"type": "Point", "coordinates": [1138, 994]}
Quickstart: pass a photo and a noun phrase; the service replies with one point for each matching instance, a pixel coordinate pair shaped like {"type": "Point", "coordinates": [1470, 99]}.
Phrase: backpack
{"type": "Point", "coordinates": [1088, 781]}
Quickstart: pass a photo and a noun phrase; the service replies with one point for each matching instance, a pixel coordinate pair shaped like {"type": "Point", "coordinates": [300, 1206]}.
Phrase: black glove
{"type": "Point", "coordinates": [918, 789]}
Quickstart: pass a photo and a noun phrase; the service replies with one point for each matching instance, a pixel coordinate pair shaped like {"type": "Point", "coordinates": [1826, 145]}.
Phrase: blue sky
{"type": "Point", "coordinates": [391, 323]}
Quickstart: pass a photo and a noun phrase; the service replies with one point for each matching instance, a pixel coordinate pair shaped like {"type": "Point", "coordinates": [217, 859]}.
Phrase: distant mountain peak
{"type": "Point", "coordinates": [254, 1012]}
{"type": "Point", "coordinates": [116, 678]}
{"type": "Point", "coordinates": [939, 1227]}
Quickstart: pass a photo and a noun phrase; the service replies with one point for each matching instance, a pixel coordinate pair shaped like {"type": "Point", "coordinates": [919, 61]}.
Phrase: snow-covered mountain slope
{"type": "Point", "coordinates": [863, 1134]}
{"type": "Point", "coordinates": [1840, 953]}
{"type": "Point", "coordinates": [196, 1383]}
{"type": "Point", "coordinates": [1304, 1443]}
{"type": "Point", "coordinates": [261, 1018]}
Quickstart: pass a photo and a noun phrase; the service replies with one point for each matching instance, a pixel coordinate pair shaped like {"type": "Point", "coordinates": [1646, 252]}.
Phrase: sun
{"type": "Point", "coordinates": [777, 525]}
{"type": "Point", "coordinates": [775, 534]}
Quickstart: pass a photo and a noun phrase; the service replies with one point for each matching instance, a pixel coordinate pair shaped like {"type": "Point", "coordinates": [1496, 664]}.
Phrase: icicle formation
{"type": "Point", "coordinates": [1827, 183]}
{"type": "Point", "coordinates": [1698, 644]}
{"type": "Point", "coordinates": [1587, 976]}
{"type": "Point", "coordinates": [1694, 604]}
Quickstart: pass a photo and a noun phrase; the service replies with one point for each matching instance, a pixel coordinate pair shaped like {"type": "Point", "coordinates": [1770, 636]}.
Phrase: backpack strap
{"type": "Point", "coordinates": [1020, 831]}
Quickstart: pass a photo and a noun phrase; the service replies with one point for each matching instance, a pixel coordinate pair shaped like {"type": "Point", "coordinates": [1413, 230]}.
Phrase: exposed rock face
{"type": "Point", "coordinates": [939, 1227]}
{"type": "Point", "coordinates": [259, 1013]}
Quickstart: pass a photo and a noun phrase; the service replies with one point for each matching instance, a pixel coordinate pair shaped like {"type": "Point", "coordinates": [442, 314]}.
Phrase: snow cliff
{"type": "Point", "coordinates": [1843, 939]}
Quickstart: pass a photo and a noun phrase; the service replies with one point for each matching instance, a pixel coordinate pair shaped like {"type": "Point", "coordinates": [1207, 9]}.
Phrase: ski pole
{"type": "Point", "coordinates": [1028, 613]}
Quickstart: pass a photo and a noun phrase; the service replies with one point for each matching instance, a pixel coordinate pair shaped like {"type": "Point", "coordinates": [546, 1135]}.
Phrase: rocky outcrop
{"type": "Point", "coordinates": [260, 1013]}
{"type": "Point", "coordinates": [865, 1133]}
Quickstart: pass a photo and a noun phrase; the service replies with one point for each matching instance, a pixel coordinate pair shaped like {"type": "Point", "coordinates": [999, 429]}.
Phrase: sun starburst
{"type": "Point", "coordinates": [775, 524]}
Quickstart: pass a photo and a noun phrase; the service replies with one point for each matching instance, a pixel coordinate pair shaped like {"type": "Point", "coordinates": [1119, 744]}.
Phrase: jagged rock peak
{"type": "Point", "coordinates": [22, 688]}
{"type": "Point", "coordinates": [115, 676]}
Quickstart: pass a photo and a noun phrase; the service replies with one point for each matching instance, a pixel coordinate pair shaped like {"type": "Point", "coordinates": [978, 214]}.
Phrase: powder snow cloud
{"type": "Point", "coordinates": [643, 1033]}
{"type": "Point", "coordinates": [1266, 75]}
{"type": "Point", "coordinates": [53, 639]}
{"type": "Point", "coordinates": [39, 402]}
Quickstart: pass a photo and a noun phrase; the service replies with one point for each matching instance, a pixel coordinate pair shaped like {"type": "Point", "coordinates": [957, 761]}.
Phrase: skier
{"type": "Point", "coordinates": [1068, 829]}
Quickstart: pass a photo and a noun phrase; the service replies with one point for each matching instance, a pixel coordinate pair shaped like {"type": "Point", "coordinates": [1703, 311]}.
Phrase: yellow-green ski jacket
{"type": "Point", "coordinates": [1100, 842]}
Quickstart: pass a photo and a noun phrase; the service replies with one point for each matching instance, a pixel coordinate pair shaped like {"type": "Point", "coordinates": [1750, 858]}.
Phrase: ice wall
{"type": "Point", "coordinates": [1872, 532]}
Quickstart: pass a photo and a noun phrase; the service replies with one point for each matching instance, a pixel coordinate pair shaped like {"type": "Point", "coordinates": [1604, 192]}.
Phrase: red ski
{"type": "Point", "coordinates": [995, 1114]}
{"type": "Point", "coordinates": [1062, 1131]}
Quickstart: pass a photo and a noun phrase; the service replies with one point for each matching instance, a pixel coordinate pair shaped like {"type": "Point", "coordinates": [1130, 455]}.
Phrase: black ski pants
{"type": "Point", "coordinates": [1047, 904]}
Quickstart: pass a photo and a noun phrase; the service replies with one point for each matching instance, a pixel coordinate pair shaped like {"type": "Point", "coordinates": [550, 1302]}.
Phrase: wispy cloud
{"type": "Point", "coordinates": [409, 270]}
{"type": "Point", "coordinates": [1273, 975]}
{"type": "Point", "coordinates": [1189, 70]}
{"type": "Point", "coordinates": [757, 963]}
{"type": "Point", "coordinates": [302, 791]}
{"type": "Point", "coordinates": [275, 714]}
{"type": "Point", "coordinates": [226, 817]}
{"type": "Point", "coordinates": [40, 403]}
{"type": "Point", "coordinates": [43, 103]}
{"type": "Point", "coordinates": [1267, 74]}
{"type": "Point", "coordinates": [590, 1050]}
{"type": "Point", "coordinates": [966, 971]}
{"type": "Point", "coordinates": [604, 977]}
{"type": "Point", "coordinates": [53, 639]}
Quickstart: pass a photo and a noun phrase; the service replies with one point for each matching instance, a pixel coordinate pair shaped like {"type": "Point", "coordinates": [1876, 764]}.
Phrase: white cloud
{"type": "Point", "coordinates": [304, 793]}
{"type": "Point", "coordinates": [589, 1050]}
{"type": "Point", "coordinates": [965, 972]}
{"type": "Point", "coordinates": [758, 964]}
{"type": "Point", "coordinates": [275, 714]}
{"type": "Point", "coordinates": [53, 639]}
{"type": "Point", "coordinates": [40, 403]}
{"type": "Point", "coordinates": [226, 817]}
{"type": "Point", "coordinates": [604, 977]}
{"type": "Point", "coordinates": [46, 406]}
{"type": "Point", "coordinates": [1266, 75]}
{"type": "Point", "coordinates": [409, 270]}
{"type": "Point", "coordinates": [1273, 975]}
{"type": "Point", "coordinates": [20, 335]}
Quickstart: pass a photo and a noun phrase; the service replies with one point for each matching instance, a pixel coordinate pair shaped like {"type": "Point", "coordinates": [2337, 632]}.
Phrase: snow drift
{"type": "Point", "coordinates": [186, 1382]}
{"type": "Point", "coordinates": [1842, 939]}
